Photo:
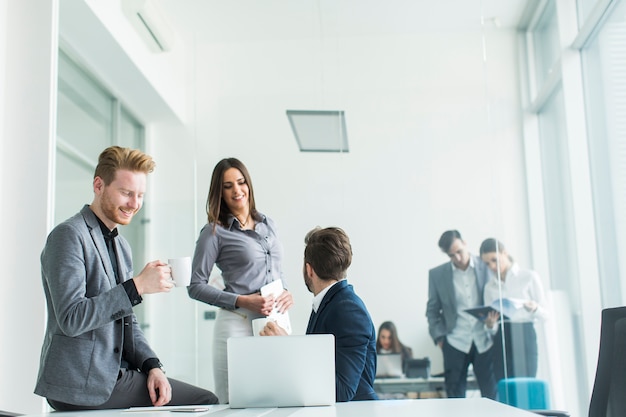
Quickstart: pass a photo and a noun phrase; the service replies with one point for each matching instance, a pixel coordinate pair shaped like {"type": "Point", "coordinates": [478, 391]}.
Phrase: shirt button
{"type": "Point", "coordinates": [116, 350]}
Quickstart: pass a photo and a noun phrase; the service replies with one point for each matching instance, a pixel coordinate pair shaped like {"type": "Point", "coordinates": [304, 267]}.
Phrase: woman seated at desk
{"type": "Point", "coordinates": [388, 342]}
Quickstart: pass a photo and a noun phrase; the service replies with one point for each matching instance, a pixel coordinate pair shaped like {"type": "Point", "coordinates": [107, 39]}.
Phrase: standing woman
{"type": "Point", "coordinates": [244, 245]}
{"type": "Point", "coordinates": [523, 287]}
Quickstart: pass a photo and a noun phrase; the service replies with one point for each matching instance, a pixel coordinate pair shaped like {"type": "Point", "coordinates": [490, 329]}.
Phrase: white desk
{"type": "Point", "coordinates": [404, 385]}
{"type": "Point", "coordinates": [466, 407]}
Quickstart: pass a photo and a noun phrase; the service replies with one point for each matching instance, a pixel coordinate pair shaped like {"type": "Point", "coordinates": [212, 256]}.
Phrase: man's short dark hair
{"type": "Point", "coordinates": [447, 238]}
{"type": "Point", "coordinates": [329, 252]}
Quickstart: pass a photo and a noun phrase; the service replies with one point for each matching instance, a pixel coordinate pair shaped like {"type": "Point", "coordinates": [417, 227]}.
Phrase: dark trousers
{"type": "Point", "coordinates": [520, 345]}
{"type": "Point", "coordinates": [131, 390]}
{"type": "Point", "coordinates": [455, 365]}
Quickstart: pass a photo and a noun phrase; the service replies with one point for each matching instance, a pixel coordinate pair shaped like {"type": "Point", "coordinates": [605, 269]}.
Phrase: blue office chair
{"type": "Point", "coordinates": [531, 394]}
{"type": "Point", "coordinates": [524, 392]}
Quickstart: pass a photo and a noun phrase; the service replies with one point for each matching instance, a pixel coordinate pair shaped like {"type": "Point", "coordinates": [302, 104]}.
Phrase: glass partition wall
{"type": "Point", "coordinates": [479, 130]}
{"type": "Point", "coordinates": [517, 287]}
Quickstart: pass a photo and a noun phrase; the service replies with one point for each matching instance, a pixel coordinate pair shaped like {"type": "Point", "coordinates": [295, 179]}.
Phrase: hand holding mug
{"type": "Point", "coordinates": [154, 278]}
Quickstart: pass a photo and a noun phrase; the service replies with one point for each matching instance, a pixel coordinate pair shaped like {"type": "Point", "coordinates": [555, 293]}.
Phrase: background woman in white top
{"type": "Point", "coordinates": [524, 302]}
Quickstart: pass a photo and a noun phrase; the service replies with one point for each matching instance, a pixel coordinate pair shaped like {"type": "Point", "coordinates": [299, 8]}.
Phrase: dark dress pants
{"type": "Point", "coordinates": [520, 351]}
{"type": "Point", "coordinates": [455, 365]}
{"type": "Point", "coordinates": [131, 390]}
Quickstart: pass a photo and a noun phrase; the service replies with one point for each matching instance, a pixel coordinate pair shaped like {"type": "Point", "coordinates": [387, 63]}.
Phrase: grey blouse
{"type": "Point", "coordinates": [248, 259]}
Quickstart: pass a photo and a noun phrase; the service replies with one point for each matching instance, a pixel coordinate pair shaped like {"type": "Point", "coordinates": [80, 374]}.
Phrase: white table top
{"type": "Point", "coordinates": [466, 407]}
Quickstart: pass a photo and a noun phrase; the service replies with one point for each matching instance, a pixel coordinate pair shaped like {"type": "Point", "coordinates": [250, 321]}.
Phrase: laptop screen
{"type": "Point", "coordinates": [389, 365]}
{"type": "Point", "coordinates": [281, 371]}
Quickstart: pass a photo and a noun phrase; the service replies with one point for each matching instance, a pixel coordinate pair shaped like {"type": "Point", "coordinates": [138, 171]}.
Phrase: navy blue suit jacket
{"type": "Point", "coordinates": [343, 314]}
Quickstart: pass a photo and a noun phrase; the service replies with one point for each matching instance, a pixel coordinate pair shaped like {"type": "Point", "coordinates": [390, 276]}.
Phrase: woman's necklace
{"type": "Point", "coordinates": [243, 223]}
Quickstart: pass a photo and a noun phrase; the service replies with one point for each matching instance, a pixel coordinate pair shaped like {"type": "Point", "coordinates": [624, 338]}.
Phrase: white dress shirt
{"type": "Point", "coordinates": [519, 285]}
{"type": "Point", "coordinates": [317, 300]}
{"type": "Point", "coordinates": [468, 329]}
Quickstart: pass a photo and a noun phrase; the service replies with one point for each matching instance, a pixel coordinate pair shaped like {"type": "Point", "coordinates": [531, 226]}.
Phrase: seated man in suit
{"type": "Point", "coordinates": [339, 311]}
{"type": "Point", "coordinates": [94, 354]}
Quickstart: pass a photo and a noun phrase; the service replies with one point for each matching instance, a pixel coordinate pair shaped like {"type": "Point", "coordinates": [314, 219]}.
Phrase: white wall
{"type": "Point", "coordinates": [423, 157]}
{"type": "Point", "coordinates": [28, 100]}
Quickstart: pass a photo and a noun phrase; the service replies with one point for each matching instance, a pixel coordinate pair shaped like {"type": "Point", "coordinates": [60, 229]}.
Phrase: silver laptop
{"type": "Point", "coordinates": [389, 365]}
{"type": "Point", "coordinates": [281, 371]}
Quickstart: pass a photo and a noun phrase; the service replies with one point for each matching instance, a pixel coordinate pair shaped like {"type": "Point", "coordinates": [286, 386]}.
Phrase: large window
{"type": "Point", "coordinates": [89, 120]}
{"type": "Point", "coordinates": [557, 195]}
{"type": "Point", "coordinates": [585, 9]}
{"type": "Point", "coordinates": [576, 85]}
{"type": "Point", "coordinates": [604, 65]}
{"type": "Point", "coordinates": [545, 39]}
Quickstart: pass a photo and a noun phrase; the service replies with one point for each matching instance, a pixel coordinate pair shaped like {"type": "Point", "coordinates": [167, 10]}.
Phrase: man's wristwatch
{"type": "Point", "coordinates": [150, 364]}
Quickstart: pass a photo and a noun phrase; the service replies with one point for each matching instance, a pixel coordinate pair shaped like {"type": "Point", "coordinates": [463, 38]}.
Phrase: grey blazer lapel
{"type": "Point", "coordinates": [447, 283]}
{"type": "Point", "coordinates": [481, 276]}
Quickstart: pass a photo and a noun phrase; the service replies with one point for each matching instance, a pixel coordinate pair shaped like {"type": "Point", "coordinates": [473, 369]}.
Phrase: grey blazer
{"type": "Point", "coordinates": [82, 346]}
{"type": "Point", "coordinates": [441, 307]}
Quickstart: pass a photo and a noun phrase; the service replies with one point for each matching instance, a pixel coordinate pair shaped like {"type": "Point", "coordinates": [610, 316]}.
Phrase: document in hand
{"type": "Point", "coordinates": [275, 288]}
{"type": "Point", "coordinates": [509, 307]}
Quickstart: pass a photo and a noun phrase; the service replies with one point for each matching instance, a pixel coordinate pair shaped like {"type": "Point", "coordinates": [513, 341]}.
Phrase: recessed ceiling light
{"type": "Point", "coordinates": [319, 130]}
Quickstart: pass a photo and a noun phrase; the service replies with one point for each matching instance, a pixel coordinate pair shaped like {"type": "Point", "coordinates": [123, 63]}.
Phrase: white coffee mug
{"type": "Point", "coordinates": [181, 271]}
{"type": "Point", "coordinates": [258, 325]}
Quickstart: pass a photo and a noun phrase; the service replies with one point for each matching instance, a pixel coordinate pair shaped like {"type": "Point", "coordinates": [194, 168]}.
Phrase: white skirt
{"type": "Point", "coordinates": [228, 323]}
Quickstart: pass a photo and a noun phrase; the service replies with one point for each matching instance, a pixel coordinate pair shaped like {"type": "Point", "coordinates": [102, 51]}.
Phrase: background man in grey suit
{"type": "Point", "coordinates": [453, 287]}
{"type": "Point", "coordinates": [94, 354]}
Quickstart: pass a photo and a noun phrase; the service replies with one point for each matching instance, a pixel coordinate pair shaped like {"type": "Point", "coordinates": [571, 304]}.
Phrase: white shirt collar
{"type": "Point", "coordinates": [317, 300]}
{"type": "Point", "coordinates": [471, 265]}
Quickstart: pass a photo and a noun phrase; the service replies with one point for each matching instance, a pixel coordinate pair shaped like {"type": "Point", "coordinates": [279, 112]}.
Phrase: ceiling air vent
{"type": "Point", "coordinates": [150, 23]}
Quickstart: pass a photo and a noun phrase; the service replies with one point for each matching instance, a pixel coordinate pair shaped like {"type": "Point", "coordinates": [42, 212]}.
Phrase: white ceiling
{"type": "Point", "coordinates": [210, 21]}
